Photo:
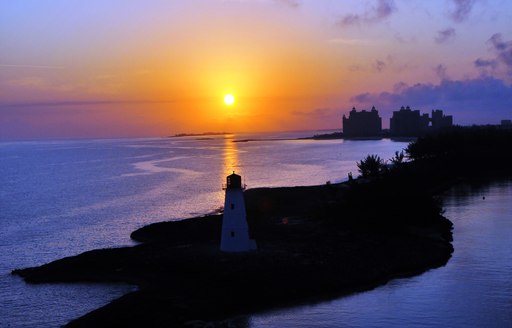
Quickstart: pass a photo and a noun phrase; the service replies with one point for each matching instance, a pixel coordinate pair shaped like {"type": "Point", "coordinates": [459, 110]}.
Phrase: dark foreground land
{"type": "Point", "coordinates": [314, 243]}
{"type": "Point", "coordinates": [184, 278]}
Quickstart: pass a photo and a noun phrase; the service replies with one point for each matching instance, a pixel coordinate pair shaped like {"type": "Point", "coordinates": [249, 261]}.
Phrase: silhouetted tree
{"type": "Point", "coordinates": [465, 148]}
{"type": "Point", "coordinates": [371, 166]}
{"type": "Point", "coordinates": [398, 158]}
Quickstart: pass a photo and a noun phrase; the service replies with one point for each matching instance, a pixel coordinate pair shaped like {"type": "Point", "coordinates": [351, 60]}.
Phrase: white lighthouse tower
{"type": "Point", "coordinates": [235, 231]}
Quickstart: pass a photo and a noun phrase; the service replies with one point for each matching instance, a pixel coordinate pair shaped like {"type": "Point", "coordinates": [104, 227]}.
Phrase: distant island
{"type": "Point", "coordinates": [314, 243]}
{"type": "Point", "coordinates": [330, 136]}
{"type": "Point", "coordinates": [179, 135]}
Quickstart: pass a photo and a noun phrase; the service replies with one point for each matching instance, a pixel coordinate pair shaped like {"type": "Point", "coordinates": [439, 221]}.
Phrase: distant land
{"type": "Point", "coordinates": [340, 135]}
{"type": "Point", "coordinates": [327, 136]}
{"type": "Point", "coordinates": [179, 135]}
{"type": "Point", "coordinates": [384, 134]}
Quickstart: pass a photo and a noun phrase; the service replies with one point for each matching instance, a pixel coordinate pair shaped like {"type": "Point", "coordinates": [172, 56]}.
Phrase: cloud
{"type": "Point", "coordinates": [440, 71]}
{"type": "Point", "coordinates": [486, 63]}
{"type": "Point", "coordinates": [462, 10]}
{"type": "Point", "coordinates": [480, 100]}
{"type": "Point", "coordinates": [379, 65]}
{"type": "Point", "coordinates": [404, 40]}
{"type": "Point", "coordinates": [32, 82]}
{"type": "Point", "coordinates": [36, 83]}
{"type": "Point", "coordinates": [356, 68]}
{"type": "Point", "coordinates": [349, 42]}
{"type": "Point", "coordinates": [400, 86]}
{"type": "Point", "coordinates": [321, 118]}
{"type": "Point", "coordinates": [503, 57]}
{"type": "Point", "coordinates": [70, 103]}
{"type": "Point", "coordinates": [318, 113]}
{"type": "Point", "coordinates": [382, 10]}
{"type": "Point", "coordinates": [30, 66]}
{"type": "Point", "coordinates": [291, 3]}
{"type": "Point", "coordinates": [502, 48]}
{"type": "Point", "coordinates": [444, 36]}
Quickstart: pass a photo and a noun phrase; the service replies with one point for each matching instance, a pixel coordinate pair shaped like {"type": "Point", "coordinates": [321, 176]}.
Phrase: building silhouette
{"type": "Point", "coordinates": [440, 121]}
{"type": "Point", "coordinates": [362, 124]}
{"type": "Point", "coordinates": [407, 122]}
{"type": "Point", "coordinates": [410, 123]}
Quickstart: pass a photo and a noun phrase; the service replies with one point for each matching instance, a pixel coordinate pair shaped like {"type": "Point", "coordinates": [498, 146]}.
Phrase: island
{"type": "Point", "coordinates": [314, 243]}
{"type": "Point", "coordinates": [203, 134]}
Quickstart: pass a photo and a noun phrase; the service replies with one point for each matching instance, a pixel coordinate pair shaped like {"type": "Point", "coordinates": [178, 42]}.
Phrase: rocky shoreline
{"type": "Point", "coordinates": [303, 256]}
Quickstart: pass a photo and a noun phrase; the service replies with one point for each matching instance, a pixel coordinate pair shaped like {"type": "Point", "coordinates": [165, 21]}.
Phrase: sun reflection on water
{"type": "Point", "coordinates": [231, 160]}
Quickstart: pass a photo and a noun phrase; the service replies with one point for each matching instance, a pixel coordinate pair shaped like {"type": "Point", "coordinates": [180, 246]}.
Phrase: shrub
{"type": "Point", "coordinates": [371, 166]}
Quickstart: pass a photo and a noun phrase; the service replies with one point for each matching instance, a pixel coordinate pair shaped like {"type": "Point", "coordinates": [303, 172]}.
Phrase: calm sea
{"type": "Point", "coordinates": [61, 198]}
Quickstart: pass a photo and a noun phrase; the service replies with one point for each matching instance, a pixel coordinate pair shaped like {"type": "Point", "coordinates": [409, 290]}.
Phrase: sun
{"type": "Point", "coordinates": [229, 99]}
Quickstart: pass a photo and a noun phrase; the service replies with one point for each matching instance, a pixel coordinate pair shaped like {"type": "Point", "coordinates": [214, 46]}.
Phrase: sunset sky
{"type": "Point", "coordinates": [118, 68]}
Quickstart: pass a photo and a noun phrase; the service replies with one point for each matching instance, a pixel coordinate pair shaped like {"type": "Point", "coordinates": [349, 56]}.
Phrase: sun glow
{"type": "Point", "coordinates": [229, 99]}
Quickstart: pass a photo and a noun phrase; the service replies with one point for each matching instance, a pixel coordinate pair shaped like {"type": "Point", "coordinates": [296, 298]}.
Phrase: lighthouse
{"type": "Point", "coordinates": [235, 231]}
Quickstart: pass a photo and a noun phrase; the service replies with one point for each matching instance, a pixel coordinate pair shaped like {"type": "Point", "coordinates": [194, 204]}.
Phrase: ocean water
{"type": "Point", "coordinates": [60, 198]}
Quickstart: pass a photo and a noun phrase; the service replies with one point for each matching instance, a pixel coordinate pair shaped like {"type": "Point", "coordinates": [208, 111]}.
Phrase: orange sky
{"type": "Point", "coordinates": [116, 68]}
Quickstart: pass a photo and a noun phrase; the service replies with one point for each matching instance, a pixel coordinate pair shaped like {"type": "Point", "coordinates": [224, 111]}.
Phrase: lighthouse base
{"type": "Point", "coordinates": [235, 231]}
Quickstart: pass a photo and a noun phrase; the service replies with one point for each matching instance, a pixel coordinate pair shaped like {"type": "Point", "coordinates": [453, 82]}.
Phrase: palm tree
{"type": "Point", "coordinates": [371, 166]}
